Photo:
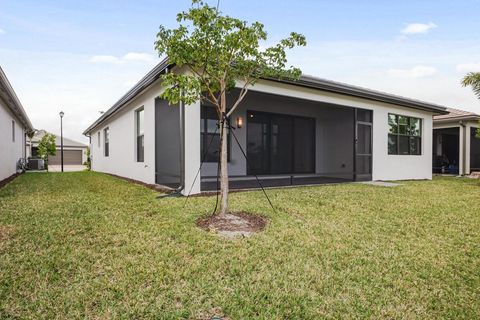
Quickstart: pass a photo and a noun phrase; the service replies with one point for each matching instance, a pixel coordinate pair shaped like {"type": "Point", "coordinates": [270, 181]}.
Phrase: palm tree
{"type": "Point", "coordinates": [472, 79]}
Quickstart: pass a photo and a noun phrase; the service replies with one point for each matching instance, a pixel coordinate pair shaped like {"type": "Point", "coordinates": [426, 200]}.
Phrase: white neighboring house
{"type": "Point", "coordinates": [308, 131]}
{"type": "Point", "coordinates": [14, 124]}
{"type": "Point", "coordinates": [456, 149]}
{"type": "Point", "coordinates": [74, 153]}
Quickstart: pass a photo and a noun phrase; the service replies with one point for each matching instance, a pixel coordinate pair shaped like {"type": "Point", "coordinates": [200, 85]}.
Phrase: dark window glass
{"type": "Point", "coordinates": [405, 135]}
{"type": "Point", "coordinates": [415, 146]}
{"type": "Point", "coordinates": [140, 135]}
{"type": "Point", "coordinates": [13, 131]}
{"type": "Point", "coordinates": [393, 123]}
{"type": "Point", "coordinates": [403, 145]}
{"type": "Point", "coordinates": [210, 135]}
{"type": "Point", "coordinates": [106, 139]}
{"type": "Point", "coordinates": [392, 144]}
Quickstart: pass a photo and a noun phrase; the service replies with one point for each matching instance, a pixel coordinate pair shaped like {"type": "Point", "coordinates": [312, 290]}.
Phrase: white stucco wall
{"type": "Point", "coordinates": [10, 152]}
{"type": "Point", "coordinates": [122, 156]}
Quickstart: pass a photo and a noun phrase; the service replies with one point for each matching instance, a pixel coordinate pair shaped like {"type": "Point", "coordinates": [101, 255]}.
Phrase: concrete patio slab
{"type": "Point", "coordinates": [381, 184]}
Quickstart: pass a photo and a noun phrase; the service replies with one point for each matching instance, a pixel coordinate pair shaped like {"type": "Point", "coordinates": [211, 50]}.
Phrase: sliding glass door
{"type": "Point", "coordinates": [280, 144]}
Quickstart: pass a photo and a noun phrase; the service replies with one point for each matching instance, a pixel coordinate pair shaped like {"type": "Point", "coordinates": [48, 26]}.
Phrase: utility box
{"type": "Point", "coordinates": [36, 164]}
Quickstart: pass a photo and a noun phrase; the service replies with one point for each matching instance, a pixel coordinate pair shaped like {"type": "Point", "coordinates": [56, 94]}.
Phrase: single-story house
{"type": "Point", "coordinates": [456, 150]}
{"type": "Point", "coordinates": [74, 153]}
{"type": "Point", "coordinates": [14, 124]}
{"type": "Point", "coordinates": [293, 132]}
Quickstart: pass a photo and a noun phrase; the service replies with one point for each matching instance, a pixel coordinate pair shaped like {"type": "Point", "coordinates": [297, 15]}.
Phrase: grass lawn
{"type": "Point", "coordinates": [87, 245]}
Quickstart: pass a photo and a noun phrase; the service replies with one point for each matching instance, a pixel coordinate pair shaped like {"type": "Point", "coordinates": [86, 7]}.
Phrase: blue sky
{"type": "Point", "coordinates": [81, 56]}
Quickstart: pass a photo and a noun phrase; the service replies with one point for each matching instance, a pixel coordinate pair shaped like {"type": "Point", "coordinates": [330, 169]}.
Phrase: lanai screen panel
{"type": "Point", "coordinates": [167, 144]}
{"type": "Point", "coordinates": [474, 150]}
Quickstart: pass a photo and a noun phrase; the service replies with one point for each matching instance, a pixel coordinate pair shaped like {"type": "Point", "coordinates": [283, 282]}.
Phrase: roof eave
{"type": "Point", "coordinates": [143, 84]}
{"type": "Point", "coordinates": [334, 87]}
{"type": "Point", "coordinates": [459, 118]}
{"type": "Point", "coordinates": [19, 110]}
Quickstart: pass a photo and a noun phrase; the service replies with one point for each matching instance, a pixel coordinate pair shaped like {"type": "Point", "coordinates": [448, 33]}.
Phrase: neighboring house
{"type": "Point", "coordinates": [14, 124]}
{"type": "Point", "coordinates": [456, 150]}
{"type": "Point", "coordinates": [74, 153]}
{"type": "Point", "coordinates": [293, 132]}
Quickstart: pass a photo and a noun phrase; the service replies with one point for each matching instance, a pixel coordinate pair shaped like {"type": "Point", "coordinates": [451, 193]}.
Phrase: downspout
{"type": "Point", "coordinates": [463, 127]}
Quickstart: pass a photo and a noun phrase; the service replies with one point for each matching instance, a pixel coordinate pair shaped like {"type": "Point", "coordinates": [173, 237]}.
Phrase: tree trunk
{"type": "Point", "coordinates": [223, 158]}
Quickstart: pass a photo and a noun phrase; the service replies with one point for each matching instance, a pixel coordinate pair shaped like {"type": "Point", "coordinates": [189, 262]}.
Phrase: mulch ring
{"type": "Point", "coordinates": [233, 225]}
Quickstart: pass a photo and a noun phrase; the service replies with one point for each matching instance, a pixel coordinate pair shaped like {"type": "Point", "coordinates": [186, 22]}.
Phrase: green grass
{"type": "Point", "coordinates": [87, 245]}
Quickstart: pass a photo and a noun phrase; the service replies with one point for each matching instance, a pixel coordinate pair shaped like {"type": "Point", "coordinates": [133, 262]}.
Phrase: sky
{"type": "Point", "coordinates": [80, 57]}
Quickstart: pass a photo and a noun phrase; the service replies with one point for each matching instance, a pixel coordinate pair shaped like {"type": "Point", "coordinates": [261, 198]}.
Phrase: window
{"type": "Point", "coordinates": [405, 135]}
{"type": "Point", "coordinates": [139, 119]}
{"type": "Point", "coordinates": [210, 135]}
{"type": "Point", "coordinates": [106, 142]}
{"type": "Point", "coordinates": [13, 131]}
{"type": "Point", "coordinates": [98, 138]}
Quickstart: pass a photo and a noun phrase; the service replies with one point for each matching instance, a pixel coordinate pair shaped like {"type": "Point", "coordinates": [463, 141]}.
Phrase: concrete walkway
{"type": "Point", "coordinates": [66, 168]}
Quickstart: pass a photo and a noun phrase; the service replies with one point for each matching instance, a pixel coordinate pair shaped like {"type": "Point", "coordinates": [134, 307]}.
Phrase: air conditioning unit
{"type": "Point", "coordinates": [36, 164]}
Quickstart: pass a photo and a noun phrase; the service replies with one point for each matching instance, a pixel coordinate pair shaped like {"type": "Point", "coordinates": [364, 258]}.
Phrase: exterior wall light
{"type": "Point", "coordinates": [239, 122]}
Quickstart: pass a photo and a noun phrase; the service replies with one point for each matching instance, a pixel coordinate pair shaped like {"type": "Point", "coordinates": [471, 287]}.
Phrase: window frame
{"type": "Point", "coordinates": [407, 133]}
{"type": "Point", "coordinates": [139, 135]}
{"type": "Point", "coordinates": [106, 142]}
{"type": "Point", "coordinates": [206, 137]}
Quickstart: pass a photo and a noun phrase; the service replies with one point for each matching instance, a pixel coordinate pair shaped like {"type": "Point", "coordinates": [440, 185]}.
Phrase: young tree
{"type": "Point", "coordinates": [473, 79]}
{"type": "Point", "coordinates": [47, 147]}
{"type": "Point", "coordinates": [219, 52]}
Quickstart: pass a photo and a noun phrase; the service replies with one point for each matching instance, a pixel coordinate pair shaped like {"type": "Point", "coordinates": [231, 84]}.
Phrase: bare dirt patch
{"type": "Point", "coordinates": [232, 225]}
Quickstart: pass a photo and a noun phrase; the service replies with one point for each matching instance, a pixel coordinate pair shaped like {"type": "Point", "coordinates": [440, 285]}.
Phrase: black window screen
{"type": "Point", "coordinates": [210, 135]}
{"type": "Point", "coordinates": [106, 138]}
{"type": "Point", "coordinates": [280, 144]}
{"type": "Point", "coordinates": [474, 150]}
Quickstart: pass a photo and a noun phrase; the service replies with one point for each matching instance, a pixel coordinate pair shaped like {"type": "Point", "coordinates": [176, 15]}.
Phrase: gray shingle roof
{"type": "Point", "coordinates": [305, 81]}
{"type": "Point", "coordinates": [13, 103]}
{"type": "Point", "coordinates": [456, 114]}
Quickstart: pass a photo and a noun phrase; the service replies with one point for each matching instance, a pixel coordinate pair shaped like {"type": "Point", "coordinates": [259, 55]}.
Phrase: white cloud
{"type": "Point", "coordinates": [129, 57]}
{"type": "Point", "coordinates": [468, 67]}
{"type": "Point", "coordinates": [415, 72]}
{"type": "Point", "coordinates": [418, 28]}
{"type": "Point", "coordinates": [137, 56]}
{"type": "Point", "coordinates": [2, 31]}
{"type": "Point", "coordinates": [106, 59]}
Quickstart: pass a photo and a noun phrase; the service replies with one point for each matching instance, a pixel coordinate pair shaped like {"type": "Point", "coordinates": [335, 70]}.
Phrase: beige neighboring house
{"type": "Point", "coordinates": [14, 124]}
{"type": "Point", "coordinates": [456, 150]}
{"type": "Point", "coordinates": [74, 153]}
